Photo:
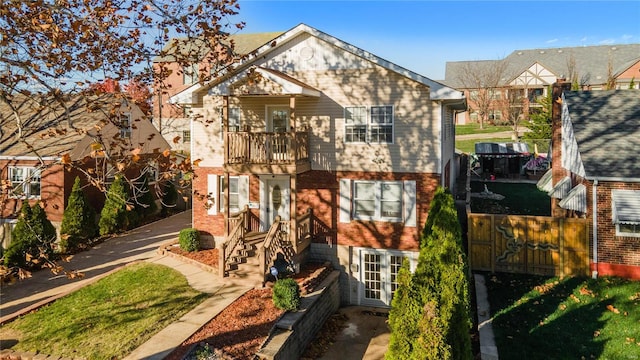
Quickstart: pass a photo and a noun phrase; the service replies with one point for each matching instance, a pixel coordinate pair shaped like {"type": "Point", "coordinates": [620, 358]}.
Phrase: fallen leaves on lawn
{"type": "Point", "coordinates": [613, 309]}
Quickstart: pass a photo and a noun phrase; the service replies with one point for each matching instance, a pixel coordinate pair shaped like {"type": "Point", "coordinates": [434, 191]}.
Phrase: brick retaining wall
{"type": "Point", "coordinates": [295, 330]}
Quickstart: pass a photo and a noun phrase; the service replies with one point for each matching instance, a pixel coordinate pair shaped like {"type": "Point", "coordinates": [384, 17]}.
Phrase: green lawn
{"type": "Point", "coordinates": [469, 145]}
{"type": "Point", "coordinates": [537, 317]}
{"type": "Point", "coordinates": [108, 319]}
{"type": "Point", "coordinates": [475, 129]}
{"type": "Point", "coordinates": [519, 199]}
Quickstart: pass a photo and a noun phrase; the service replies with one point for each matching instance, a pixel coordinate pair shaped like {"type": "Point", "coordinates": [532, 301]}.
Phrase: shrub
{"type": "Point", "coordinates": [438, 291]}
{"type": "Point", "coordinates": [189, 239]}
{"type": "Point", "coordinates": [286, 294]}
{"type": "Point", "coordinates": [33, 236]}
{"type": "Point", "coordinates": [79, 220]}
{"type": "Point", "coordinates": [114, 217]}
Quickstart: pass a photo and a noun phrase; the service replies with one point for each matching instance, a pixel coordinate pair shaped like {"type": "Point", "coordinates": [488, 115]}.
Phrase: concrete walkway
{"type": "Point", "coordinates": [137, 245]}
{"type": "Point", "coordinates": [488, 349]}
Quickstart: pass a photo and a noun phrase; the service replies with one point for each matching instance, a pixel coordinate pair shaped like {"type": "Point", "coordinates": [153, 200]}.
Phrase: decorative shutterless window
{"type": "Point", "coordinates": [186, 136]}
{"type": "Point", "coordinates": [125, 126]}
{"type": "Point", "coordinates": [25, 182]}
{"type": "Point", "coordinates": [373, 124]}
{"type": "Point", "coordinates": [190, 74]}
{"type": "Point", "coordinates": [355, 129]}
{"type": "Point", "coordinates": [381, 127]}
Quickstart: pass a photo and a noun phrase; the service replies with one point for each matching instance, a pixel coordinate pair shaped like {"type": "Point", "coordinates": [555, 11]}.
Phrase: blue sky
{"type": "Point", "coordinates": [423, 35]}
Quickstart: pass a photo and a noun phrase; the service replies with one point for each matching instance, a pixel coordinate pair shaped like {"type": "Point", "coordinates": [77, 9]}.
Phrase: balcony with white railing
{"type": "Point", "coordinates": [267, 152]}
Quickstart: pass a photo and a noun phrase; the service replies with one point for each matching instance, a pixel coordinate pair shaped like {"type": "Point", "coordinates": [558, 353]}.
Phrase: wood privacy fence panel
{"type": "Point", "coordinates": [528, 244]}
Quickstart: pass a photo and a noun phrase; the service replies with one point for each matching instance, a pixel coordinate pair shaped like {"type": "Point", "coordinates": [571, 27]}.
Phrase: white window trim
{"type": "Point", "coordinates": [215, 192]}
{"type": "Point", "coordinates": [407, 201]}
{"type": "Point", "coordinates": [26, 182]}
{"type": "Point", "coordinates": [369, 124]}
{"type": "Point", "coordinates": [125, 132]}
{"type": "Point", "coordinates": [628, 234]}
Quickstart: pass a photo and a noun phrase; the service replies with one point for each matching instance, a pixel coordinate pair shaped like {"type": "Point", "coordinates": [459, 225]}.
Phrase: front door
{"type": "Point", "coordinates": [278, 126]}
{"type": "Point", "coordinates": [276, 200]}
{"type": "Point", "coordinates": [378, 275]}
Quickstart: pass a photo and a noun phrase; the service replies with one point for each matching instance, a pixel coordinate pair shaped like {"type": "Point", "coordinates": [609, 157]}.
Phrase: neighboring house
{"type": "Point", "coordinates": [173, 119]}
{"type": "Point", "coordinates": [518, 80]}
{"type": "Point", "coordinates": [310, 122]}
{"type": "Point", "coordinates": [594, 173]}
{"type": "Point", "coordinates": [32, 167]}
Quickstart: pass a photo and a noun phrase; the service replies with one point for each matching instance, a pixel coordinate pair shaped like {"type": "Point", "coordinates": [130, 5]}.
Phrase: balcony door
{"type": "Point", "coordinates": [278, 125]}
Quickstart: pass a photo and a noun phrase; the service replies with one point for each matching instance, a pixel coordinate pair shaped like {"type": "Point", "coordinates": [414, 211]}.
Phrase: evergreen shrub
{"type": "Point", "coordinates": [286, 294]}
{"type": "Point", "coordinates": [33, 236]}
{"type": "Point", "coordinates": [189, 239]}
{"type": "Point", "coordinates": [78, 222]}
{"type": "Point", "coordinates": [114, 217]}
{"type": "Point", "coordinates": [169, 198]}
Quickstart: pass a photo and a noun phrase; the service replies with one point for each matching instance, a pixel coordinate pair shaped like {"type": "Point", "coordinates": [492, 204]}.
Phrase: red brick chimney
{"type": "Point", "coordinates": [557, 171]}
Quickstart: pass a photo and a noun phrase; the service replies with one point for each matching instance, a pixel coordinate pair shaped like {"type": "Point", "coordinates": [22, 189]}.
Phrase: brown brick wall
{"type": "Point", "coordinates": [52, 190]}
{"type": "Point", "coordinates": [617, 255]}
{"type": "Point", "coordinates": [319, 190]}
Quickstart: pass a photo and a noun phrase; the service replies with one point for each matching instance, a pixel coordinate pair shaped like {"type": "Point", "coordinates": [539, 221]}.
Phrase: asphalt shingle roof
{"type": "Point", "coordinates": [243, 45]}
{"type": "Point", "coordinates": [591, 62]}
{"type": "Point", "coordinates": [48, 132]}
{"type": "Point", "coordinates": [606, 125]}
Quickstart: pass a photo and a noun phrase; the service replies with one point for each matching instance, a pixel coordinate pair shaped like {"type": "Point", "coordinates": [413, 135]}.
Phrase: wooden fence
{"type": "Point", "coordinates": [528, 244]}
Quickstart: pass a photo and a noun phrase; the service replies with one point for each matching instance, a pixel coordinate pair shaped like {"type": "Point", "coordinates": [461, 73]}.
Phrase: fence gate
{"type": "Point", "coordinates": [528, 244]}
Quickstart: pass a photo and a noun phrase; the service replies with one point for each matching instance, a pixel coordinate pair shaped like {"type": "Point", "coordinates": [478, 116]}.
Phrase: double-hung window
{"type": "Point", "coordinates": [25, 181]}
{"type": "Point", "coordinates": [125, 126]}
{"type": "Point", "coordinates": [190, 74]}
{"type": "Point", "coordinates": [377, 200]}
{"type": "Point", "coordinates": [372, 124]}
{"type": "Point", "coordinates": [234, 194]}
{"type": "Point", "coordinates": [381, 128]}
{"type": "Point", "coordinates": [234, 119]}
{"type": "Point", "coordinates": [355, 124]}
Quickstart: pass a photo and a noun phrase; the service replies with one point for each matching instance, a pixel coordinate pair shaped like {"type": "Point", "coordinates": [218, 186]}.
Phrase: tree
{"type": "Point", "coordinates": [430, 316]}
{"type": "Point", "coordinates": [52, 51]}
{"type": "Point", "coordinates": [483, 80]}
{"type": "Point", "coordinates": [32, 238]}
{"type": "Point", "coordinates": [114, 216]}
{"type": "Point", "coordinates": [79, 220]}
{"type": "Point", "coordinates": [540, 120]}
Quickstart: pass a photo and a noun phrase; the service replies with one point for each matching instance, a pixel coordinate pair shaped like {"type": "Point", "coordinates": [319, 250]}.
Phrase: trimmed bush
{"type": "Point", "coordinates": [33, 236]}
{"type": "Point", "coordinates": [438, 291]}
{"type": "Point", "coordinates": [286, 294]}
{"type": "Point", "coordinates": [189, 239]}
{"type": "Point", "coordinates": [78, 222]}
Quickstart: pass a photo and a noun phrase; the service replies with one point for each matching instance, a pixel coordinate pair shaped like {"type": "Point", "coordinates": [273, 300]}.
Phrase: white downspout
{"type": "Point", "coordinates": [594, 272]}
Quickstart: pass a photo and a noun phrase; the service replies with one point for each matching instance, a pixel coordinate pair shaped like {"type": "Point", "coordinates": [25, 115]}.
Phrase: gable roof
{"type": "Point", "coordinates": [606, 126]}
{"type": "Point", "coordinates": [591, 62]}
{"type": "Point", "coordinates": [243, 44]}
{"type": "Point", "coordinates": [50, 133]}
{"type": "Point", "coordinates": [438, 90]}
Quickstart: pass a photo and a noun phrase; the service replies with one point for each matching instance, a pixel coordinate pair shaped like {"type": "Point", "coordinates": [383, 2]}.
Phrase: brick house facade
{"type": "Point", "coordinates": [314, 123]}
{"type": "Point", "coordinates": [596, 139]}
{"type": "Point", "coordinates": [33, 167]}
